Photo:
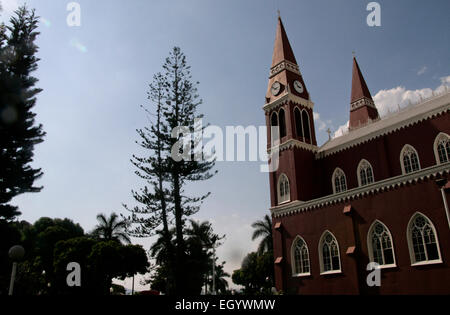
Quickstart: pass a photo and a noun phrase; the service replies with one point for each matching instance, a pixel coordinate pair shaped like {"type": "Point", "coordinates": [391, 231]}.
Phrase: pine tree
{"type": "Point", "coordinates": [163, 201]}
{"type": "Point", "coordinates": [154, 199]}
{"type": "Point", "coordinates": [18, 130]}
{"type": "Point", "coordinates": [182, 103]}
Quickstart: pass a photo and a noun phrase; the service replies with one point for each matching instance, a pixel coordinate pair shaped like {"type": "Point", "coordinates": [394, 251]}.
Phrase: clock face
{"type": "Point", "coordinates": [276, 88]}
{"type": "Point", "coordinates": [298, 86]}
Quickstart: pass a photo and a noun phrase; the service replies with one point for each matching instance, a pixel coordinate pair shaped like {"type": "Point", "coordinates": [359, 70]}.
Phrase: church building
{"type": "Point", "coordinates": [379, 193]}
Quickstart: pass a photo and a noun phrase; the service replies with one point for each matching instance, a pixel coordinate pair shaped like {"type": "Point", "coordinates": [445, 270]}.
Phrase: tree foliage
{"type": "Point", "coordinates": [100, 262]}
{"type": "Point", "coordinates": [18, 130]}
{"type": "Point", "coordinates": [256, 274]}
{"type": "Point", "coordinates": [200, 241]}
{"type": "Point", "coordinates": [111, 229]}
{"type": "Point", "coordinates": [263, 229]}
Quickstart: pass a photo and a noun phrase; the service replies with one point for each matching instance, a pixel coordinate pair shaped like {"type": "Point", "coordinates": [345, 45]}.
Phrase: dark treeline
{"type": "Point", "coordinates": [51, 244]}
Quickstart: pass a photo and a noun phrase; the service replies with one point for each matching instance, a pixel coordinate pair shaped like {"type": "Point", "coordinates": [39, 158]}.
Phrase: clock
{"type": "Point", "coordinates": [276, 88]}
{"type": "Point", "coordinates": [298, 86]}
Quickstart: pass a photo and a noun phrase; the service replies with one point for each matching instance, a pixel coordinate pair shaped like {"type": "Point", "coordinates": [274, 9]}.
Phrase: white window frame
{"type": "Point", "coordinates": [320, 248]}
{"type": "Point", "coordinates": [293, 247]}
{"type": "Point", "coordinates": [410, 242]}
{"type": "Point", "coordinates": [358, 172]}
{"type": "Point", "coordinates": [402, 152]}
{"type": "Point", "coordinates": [335, 173]}
{"type": "Point", "coordinates": [439, 137]}
{"type": "Point", "coordinates": [370, 247]}
{"type": "Point", "coordinates": [280, 198]}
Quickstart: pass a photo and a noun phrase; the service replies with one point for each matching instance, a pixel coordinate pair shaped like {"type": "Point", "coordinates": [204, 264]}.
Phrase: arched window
{"type": "Point", "coordinates": [365, 173]}
{"type": "Point", "coordinates": [422, 240]}
{"type": "Point", "coordinates": [298, 123]}
{"type": "Point", "coordinates": [339, 181]}
{"type": "Point", "coordinates": [442, 148]}
{"type": "Point", "coordinates": [306, 125]}
{"type": "Point", "coordinates": [284, 192]}
{"type": "Point", "coordinates": [330, 261]}
{"type": "Point", "coordinates": [409, 159]}
{"type": "Point", "coordinates": [275, 132]}
{"type": "Point", "coordinates": [300, 257]}
{"type": "Point", "coordinates": [379, 243]}
{"type": "Point", "coordinates": [282, 123]}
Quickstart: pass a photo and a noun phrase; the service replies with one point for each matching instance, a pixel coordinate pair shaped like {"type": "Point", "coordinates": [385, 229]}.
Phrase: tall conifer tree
{"type": "Point", "coordinates": [163, 201]}
{"type": "Point", "coordinates": [18, 130]}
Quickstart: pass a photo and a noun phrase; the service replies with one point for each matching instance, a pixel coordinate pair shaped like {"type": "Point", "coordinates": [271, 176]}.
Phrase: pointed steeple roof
{"type": "Point", "coordinates": [282, 49]}
{"type": "Point", "coordinates": [362, 108]}
{"type": "Point", "coordinates": [359, 86]}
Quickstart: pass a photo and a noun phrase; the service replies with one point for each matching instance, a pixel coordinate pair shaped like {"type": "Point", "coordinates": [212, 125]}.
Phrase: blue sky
{"type": "Point", "coordinates": [94, 78]}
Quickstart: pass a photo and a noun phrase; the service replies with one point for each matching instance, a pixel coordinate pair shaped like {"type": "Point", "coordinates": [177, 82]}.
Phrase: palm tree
{"type": "Point", "coordinates": [159, 249]}
{"type": "Point", "coordinates": [202, 232]}
{"type": "Point", "coordinates": [221, 282]}
{"type": "Point", "coordinates": [263, 228]}
{"type": "Point", "coordinates": [111, 229]}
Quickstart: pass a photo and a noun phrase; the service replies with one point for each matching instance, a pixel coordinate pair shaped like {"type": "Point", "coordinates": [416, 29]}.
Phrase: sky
{"type": "Point", "coordinates": [94, 78]}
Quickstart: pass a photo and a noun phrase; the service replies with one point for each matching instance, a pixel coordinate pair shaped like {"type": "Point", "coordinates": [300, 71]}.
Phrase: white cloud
{"type": "Point", "coordinates": [422, 70]}
{"type": "Point", "coordinates": [341, 130]}
{"type": "Point", "coordinates": [391, 100]}
{"type": "Point", "coordinates": [319, 122]}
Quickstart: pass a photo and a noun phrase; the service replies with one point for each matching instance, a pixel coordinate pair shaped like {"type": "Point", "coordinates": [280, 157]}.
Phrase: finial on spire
{"type": "Point", "coordinates": [278, 11]}
{"type": "Point", "coordinates": [354, 54]}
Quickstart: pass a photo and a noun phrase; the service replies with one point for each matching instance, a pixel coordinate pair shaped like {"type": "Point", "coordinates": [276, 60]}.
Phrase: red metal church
{"type": "Point", "coordinates": [379, 193]}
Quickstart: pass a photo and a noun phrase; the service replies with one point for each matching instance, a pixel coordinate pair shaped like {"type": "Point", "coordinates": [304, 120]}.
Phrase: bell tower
{"type": "Point", "coordinates": [289, 111]}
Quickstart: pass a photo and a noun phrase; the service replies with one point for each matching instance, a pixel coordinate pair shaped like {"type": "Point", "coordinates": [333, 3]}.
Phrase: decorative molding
{"type": "Point", "coordinates": [288, 97]}
{"type": "Point", "coordinates": [358, 192]}
{"type": "Point", "coordinates": [293, 143]}
{"type": "Point", "coordinates": [284, 65]}
{"type": "Point", "coordinates": [364, 101]}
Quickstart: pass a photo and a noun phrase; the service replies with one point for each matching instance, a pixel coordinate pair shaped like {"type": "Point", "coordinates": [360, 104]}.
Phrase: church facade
{"type": "Point", "coordinates": [379, 193]}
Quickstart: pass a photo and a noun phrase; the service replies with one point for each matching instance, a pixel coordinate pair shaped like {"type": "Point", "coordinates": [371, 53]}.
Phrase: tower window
{"type": "Point", "coordinates": [379, 243]}
{"type": "Point", "coordinates": [329, 253]}
{"type": "Point", "coordinates": [365, 173]}
{"type": "Point", "coordinates": [298, 123]}
{"type": "Point", "coordinates": [274, 131]}
{"type": "Point", "coordinates": [284, 193]}
{"type": "Point", "coordinates": [306, 125]}
{"type": "Point", "coordinates": [422, 240]}
{"type": "Point", "coordinates": [282, 123]}
{"type": "Point", "coordinates": [339, 181]}
{"type": "Point", "coordinates": [442, 148]}
{"type": "Point", "coordinates": [300, 257]}
{"type": "Point", "coordinates": [409, 159]}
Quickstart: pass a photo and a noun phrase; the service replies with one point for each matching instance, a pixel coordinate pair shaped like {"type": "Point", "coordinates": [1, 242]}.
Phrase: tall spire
{"type": "Point", "coordinates": [362, 107]}
{"type": "Point", "coordinates": [284, 70]}
{"type": "Point", "coordinates": [282, 49]}
{"type": "Point", "coordinates": [359, 86]}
